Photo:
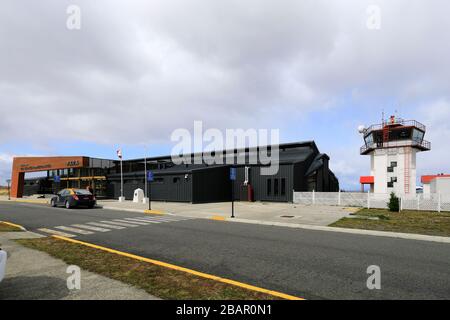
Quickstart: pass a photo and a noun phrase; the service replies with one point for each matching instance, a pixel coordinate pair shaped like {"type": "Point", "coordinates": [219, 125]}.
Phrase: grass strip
{"type": "Point", "coordinates": [156, 280]}
{"type": "Point", "coordinates": [417, 222]}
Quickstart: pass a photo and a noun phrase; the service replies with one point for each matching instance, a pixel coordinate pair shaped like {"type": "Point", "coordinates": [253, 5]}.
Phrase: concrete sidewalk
{"type": "Point", "coordinates": [270, 214]}
{"type": "Point", "coordinates": [31, 199]}
{"type": "Point", "coordinates": [257, 211]}
{"type": "Point", "coordinates": [34, 275]}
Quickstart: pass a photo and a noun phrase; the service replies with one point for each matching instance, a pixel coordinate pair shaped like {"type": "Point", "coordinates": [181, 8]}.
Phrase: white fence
{"type": "Point", "coordinates": [421, 202]}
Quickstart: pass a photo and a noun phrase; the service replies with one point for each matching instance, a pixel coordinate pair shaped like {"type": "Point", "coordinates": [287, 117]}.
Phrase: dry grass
{"type": "Point", "coordinates": [3, 191]}
{"type": "Point", "coordinates": [158, 281]}
{"type": "Point", "coordinates": [419, 222]}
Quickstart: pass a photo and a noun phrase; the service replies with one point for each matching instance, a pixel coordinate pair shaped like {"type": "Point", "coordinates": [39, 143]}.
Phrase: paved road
{"type": "Point", "coordinates": [310, 264]}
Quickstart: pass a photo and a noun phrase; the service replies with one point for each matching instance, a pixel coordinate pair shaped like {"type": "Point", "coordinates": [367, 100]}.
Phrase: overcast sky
{"type": "Point", "coordinates": [137, 70]}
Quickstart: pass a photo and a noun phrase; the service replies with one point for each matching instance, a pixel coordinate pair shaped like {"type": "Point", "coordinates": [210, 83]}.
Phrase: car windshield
{"type": "Point", "coordinates": [82, 192]}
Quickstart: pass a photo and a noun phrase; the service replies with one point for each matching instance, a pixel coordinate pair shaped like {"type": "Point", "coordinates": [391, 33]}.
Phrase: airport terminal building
{"type": "Point", "coordinates": [301, 168]}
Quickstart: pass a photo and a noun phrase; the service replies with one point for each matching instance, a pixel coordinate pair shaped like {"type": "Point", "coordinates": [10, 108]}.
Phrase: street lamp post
{"type": "Point", "coordinates": [149, 178]}
{"type": "Point", "coordinates": [233, 176]}
{"type": "Point", "coordinates": [146, 178]}
{"type": "Point", "coordinates": [121, 180]}
{"type": "Point", "coordinates": [149, 201]}
{"type": "Point", "coordinates": [9, 189]}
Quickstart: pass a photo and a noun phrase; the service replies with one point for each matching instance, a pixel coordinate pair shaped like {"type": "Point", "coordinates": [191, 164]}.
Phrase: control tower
{"type": "Point", "coordinates": [393, 146]}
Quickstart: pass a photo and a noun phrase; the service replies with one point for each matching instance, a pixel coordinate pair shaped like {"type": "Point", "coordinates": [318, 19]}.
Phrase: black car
{"type": "Point", "coordinates": [71, 198]}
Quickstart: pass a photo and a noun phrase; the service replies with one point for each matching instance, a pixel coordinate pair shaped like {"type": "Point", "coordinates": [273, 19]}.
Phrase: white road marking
{"type": "Point", "coordinates": [56, 232]}
{"type": "Point", "coordinates": [167, 216]}
{"type": "Point", "coordinates": [120, 224]}
{"type": "Point", "coordinates": [141, 220]}
{"type": "Point", "coordinates": [157, 218]}
{"type": "Point", "coordinates": [135, 222]}
{"type": "Point", "coordinates": [168, 219]}
{"type": "Point", "coordinates": [105, 225]}
{"type": "Point", "coordinates": [92, 228]}
{"type": "Point", "coordinates": [76, 230]}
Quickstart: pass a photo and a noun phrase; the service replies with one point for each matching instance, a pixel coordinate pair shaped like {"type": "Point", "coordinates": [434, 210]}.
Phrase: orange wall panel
{"type": "Point", "coordinates": [21, 165]}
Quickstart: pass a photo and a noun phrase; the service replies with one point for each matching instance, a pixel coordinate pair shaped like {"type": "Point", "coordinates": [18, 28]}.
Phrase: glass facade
{"type": "Point", "coordinates": [93, 176]}
{"type": "Point", "coordinates": [369, 139]}
{"type": "Point", "coordinates": [418, 135]}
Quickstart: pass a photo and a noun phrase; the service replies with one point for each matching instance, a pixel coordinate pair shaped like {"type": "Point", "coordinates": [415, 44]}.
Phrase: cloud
{"type": "Point", "coordinates": [436, 115]}
{"type": "Point", "coordinates": [6, 161]}
{"type": "Point", "coordinates": [5, 167]}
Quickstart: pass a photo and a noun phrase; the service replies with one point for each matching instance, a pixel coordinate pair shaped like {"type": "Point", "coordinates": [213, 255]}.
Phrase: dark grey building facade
{"type": "Point", "coordinates": [301, 168]}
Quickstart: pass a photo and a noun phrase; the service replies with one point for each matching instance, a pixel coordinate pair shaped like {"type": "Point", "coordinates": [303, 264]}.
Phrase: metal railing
{"type": "Point", "coordinates": [407, 123]}
{"type": "Point", "coordinates": [421, 144]}
{"type": "Point", "coordinates": [420, 202]}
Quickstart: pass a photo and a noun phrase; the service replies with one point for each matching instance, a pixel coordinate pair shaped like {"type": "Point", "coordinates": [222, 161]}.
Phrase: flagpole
{"type": "Point", "coordinates": [119, 154]}
{"type": "Point", "coordinates": [121, 179]}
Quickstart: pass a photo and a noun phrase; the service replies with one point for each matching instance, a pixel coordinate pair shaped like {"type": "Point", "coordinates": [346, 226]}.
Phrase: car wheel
{"type": "Point", "coordinates": [53, 203]}
{"type": "Point", "coordinates": [68, 205]}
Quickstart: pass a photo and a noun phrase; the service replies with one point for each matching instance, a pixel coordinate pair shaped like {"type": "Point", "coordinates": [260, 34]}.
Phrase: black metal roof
{"type": "Point", "coordinates": [289, 153]}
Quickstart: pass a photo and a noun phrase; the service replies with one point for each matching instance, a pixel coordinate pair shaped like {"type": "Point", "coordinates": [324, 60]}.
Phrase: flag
{"type": "Point", "coordinates": [119, 153]}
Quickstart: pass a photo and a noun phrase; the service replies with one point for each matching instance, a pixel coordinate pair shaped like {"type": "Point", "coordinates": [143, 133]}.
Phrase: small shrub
{"type": "Point", "coordinates": [394, 203]}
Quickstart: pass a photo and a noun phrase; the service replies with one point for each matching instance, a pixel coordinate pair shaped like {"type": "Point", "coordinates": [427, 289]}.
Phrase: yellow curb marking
{"type": "Point", "coordinates": [32, 201]}
{"type": "Point", "coordinates": [13, 225]}
{"type": "Point", "coordinates": [154, 212]}
{"type": "Point", "coordinates": [218, 218]}
{"type": "Point", "coordinates": [182, 269]}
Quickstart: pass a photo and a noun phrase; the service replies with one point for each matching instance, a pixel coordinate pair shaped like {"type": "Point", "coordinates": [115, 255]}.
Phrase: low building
{"type": "Point", "coordinates": [301, 168]}
{"type": "Point", "coordinates": [434, 184]}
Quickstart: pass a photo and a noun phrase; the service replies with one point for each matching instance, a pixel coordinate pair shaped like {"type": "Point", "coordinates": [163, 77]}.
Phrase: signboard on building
{"type": "Point", "coordinates": [233, 173]}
